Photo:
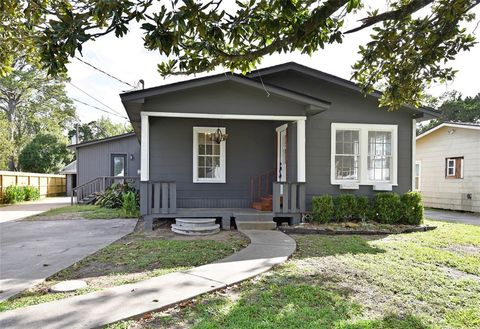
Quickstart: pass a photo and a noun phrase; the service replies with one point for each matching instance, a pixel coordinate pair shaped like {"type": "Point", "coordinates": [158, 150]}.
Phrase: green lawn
{"type": "Point", "coordinates": [133, 258]}
{"type": "Point", "coordinates": [419, 280]}
{"type": "Point", "coordinates": [83, 211]}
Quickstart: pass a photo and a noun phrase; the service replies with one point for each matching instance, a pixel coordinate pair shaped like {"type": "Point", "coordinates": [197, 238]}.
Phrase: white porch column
{"type": "Point", "coordinates": [301, 150]}
{"type": "Point", "coordinates": [414, 151]}
{"type": "Point", "coordinates": [144, 149]}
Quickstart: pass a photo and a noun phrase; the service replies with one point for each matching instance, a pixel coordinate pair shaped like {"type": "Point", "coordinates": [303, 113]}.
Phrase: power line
{"type": "Point", "coordinates": [102, 71]}
{"type": "Point", "coordinates": [96, 99]}
{"type": "Point", "coordinates": [97, 108]}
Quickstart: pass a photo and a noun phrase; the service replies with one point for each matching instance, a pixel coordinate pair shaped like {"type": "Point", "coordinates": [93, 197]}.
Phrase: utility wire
{"type": "Point", "coordinates": [96, 99]}
{"type": "Point", "coordinates": [97, 108]}
{"type": "Point", "coordinates": [102, 71]}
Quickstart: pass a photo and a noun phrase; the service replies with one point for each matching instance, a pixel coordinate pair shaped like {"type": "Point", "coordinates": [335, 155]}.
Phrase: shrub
{"type": "Point", "coordinates": [412, 208]}
{"type": "Point", "coordinates": [322, 208]}
{"type": "Point", "coordinates": [345, 207]}
{"type": "Point", "coordinates": [31, 193]}
{"type": "Point", "coordinates": [388, 208]}
{"type": "Point", "coordinates": [364, 209]}
{"type": "Point", "coordinates": [130, 205]}
{"type": "Point", "coordinates": [113, 196]}
{"type": "Point", "coordinates": [13, 194]}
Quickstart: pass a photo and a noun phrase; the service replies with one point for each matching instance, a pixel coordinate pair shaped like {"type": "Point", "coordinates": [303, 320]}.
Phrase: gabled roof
{"type": "Point", "coordinates": [464, 125]}
{"type": "Point", "coordinates": [71, 168]}
{"type": "Point", "coordinates": [213, 79]}
{"type": "Point", "coordinates": [102, 140]}
{"type": "Point", "coordinates": [329, 78]}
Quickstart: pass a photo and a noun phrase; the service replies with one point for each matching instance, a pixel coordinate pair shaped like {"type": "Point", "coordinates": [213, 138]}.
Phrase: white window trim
{"type": "Point", "coordinates": [452, 167]}
{"type": "Point", "coordinates": [223, 164]}
{"type": "Point", "coordinates": [419, 163]}
{"type": "Point", "coordinates": [363, 136]}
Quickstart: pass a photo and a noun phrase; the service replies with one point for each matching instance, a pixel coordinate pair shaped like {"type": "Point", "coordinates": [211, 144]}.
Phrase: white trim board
{"type": "Point", "coordinates": [224, 116]}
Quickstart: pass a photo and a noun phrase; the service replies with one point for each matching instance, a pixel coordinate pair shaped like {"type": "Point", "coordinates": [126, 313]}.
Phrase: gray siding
{"type": "Point", "coordinates": [94, 160]}
{"type": "Point", "coordinates": [250, 151]}
{"type": "Point", "coordinates": [348, 106]}
{"type": "Point", "coordinates": [225, 98]}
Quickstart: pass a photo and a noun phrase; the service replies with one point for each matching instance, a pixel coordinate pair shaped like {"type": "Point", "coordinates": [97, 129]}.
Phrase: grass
{"type": "Point", "coordinates": [419, 280]}
{"type": "Point", "coordinates": [81, 211]}
{"type": "Point", "coordinates": [134, 258]}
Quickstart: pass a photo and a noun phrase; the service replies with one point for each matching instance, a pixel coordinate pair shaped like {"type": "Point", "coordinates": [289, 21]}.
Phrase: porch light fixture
{"type": "Point", "coordinates": [219, 137]}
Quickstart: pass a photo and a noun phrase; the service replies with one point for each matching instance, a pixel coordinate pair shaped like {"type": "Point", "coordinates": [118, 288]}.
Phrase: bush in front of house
{"type": "Point", "coordinates": [322, 208]}
{"type": "Point", "coordinates": [14, 194]}
{"type": "Point", "coordinates": [412, 208]}
{"type": "Point", "coordinates": [130, 205]}
{"type": "Point", "coordinates": [31, 193]}
{"type": "Point", "coordinates": [364, 210]}
{"type": "Point", "coordinates": [345, 207]}
{"type": "Point", "coordinates": [388, 208]}
{"type": "Point", "coordinates": [113, 196]}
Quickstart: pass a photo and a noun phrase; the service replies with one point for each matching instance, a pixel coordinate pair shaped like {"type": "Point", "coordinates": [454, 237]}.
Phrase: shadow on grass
{"type": "Point", "coordinates": [287, 302]}
{"type": "Point", "coordinates": [330, 245]}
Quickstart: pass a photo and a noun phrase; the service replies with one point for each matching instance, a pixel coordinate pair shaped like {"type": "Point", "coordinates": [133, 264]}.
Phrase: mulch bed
{"type": "Point", "coordinates": [314, 229]}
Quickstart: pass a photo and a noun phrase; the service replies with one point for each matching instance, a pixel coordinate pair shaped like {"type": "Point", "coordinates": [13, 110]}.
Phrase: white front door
{"type": "Point", "coordinates": [282, 153]}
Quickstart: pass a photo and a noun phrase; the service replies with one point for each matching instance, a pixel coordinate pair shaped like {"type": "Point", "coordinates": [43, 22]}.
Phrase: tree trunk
{"type": "Point", "coordinates": [12, 106]}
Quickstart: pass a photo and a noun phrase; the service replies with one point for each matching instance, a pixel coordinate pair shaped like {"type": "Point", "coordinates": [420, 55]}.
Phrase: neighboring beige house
{"type": "Point", "coordinates": [448, 166]}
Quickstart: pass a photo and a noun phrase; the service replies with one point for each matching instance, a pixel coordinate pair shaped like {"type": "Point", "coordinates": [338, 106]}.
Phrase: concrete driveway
{"type": "Point", "coordinates": [27, 209]}
{"type": "Point", "coordinates": [453, 216]}
{"type": "Point", "coordinates": [31, 251]}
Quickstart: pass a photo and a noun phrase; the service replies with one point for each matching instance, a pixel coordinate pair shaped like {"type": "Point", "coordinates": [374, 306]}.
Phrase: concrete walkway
{"type": "Point", "coordinates": [453, 216]}
{"type": "Point", "coordinates": [31, 251]}
{"type": "Point", "coordinates": [267, 249]}
{"type": "Point", "coordinates": [27, 209]}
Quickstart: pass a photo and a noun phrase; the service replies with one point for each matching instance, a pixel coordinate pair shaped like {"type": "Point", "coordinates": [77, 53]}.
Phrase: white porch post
{"type": "Point", "coordinates": [301, 150]}
{"type": "Point", "coordinates": [414, 151]}
{"type": "Point", "coordinates": [144, 149]}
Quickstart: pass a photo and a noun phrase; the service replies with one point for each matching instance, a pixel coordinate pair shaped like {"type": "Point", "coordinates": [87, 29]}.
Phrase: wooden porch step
{"type": "Point", "coordinates": [262, 206]}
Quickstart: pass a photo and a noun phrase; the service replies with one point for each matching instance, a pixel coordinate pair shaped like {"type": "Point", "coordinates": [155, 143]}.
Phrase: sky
{"type": "Point", "coordinates": [128, 60]}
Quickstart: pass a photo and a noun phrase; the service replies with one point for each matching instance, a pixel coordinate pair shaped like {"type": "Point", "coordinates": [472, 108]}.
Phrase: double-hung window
{"type": "Point", "coordinates": [454, 167]}
{"type": "Point", "coordinates": [363, 154]}
{"type": "Point", "coordinates": [208, 156]}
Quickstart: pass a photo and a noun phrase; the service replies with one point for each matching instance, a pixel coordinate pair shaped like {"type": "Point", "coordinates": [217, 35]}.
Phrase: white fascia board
{"type": "Point", "coordinates": [224, 116]}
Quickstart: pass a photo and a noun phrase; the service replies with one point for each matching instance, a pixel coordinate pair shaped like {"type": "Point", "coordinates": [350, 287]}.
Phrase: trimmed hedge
{"type": "Point", "coordinates": [322, 208]}
{"type": "Point", "coordinates": [14, 194]}
{"type": "Point", "coordinates": [387, 208]}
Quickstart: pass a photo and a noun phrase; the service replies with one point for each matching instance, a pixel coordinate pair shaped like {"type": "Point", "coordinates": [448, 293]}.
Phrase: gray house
{"type": "Point", "coordinates": [257, 147]}
{"type": "Point", "coordinates": [99, 162]}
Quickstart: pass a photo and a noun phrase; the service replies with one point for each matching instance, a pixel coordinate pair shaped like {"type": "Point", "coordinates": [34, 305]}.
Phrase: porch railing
{"type": "Point", "coordinates": [289, 197]}
{"type": "Point", "coordinates": [261, 185]}
{"type": "Point", "coordinates": [161, 198]}
{"type": "Point", "coordinates": [100, 184]}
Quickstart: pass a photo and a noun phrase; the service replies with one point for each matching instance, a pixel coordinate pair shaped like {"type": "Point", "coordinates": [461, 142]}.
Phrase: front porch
{"type": "Point", "coordinates": [161, 203]}
{"type": "Point", "coordinates": [257, 174]}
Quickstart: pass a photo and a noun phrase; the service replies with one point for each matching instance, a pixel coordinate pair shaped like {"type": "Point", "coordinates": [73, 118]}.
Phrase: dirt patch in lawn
{"type": "Point", "coordinates": [472, 250]}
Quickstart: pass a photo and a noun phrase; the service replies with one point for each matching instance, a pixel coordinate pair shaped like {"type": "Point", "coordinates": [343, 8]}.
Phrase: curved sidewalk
{"type": "Point", "coordinates": [267, 249]}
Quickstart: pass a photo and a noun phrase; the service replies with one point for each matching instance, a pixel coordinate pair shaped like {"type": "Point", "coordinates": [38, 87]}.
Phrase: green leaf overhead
{"type": "Point", "coordinates": [411, 43]}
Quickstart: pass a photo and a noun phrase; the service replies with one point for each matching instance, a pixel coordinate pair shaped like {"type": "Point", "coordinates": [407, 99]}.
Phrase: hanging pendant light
{"type": "Point", "coordinates": [219, 136]}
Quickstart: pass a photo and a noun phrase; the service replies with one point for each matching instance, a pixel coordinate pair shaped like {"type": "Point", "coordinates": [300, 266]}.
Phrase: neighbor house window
{"type": "Point", "coordinates": [118, 165]}
{"type": "Point", "coordinates": [364, 154]}
{"type": "Point", "coordinates": [208, 156]}
{"type": "Point", "coordinates": [454, 167]}
{"type": "Point", "coordinates": [418, 175]}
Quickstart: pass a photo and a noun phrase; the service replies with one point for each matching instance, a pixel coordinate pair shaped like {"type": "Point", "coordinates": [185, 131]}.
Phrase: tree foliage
{"type": "Point", "coordinates": [46, 153]}
{"type": "Point", "coordinates": [98, 129]}
{"type": "Point", "coordinates": [455, 108]}
{"type": "Point", "coordinates": [32, 102]}
{"type": "Point", "coordinates": [5, 145]}
{"type": "Point", "coordinates": [411, 42]}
